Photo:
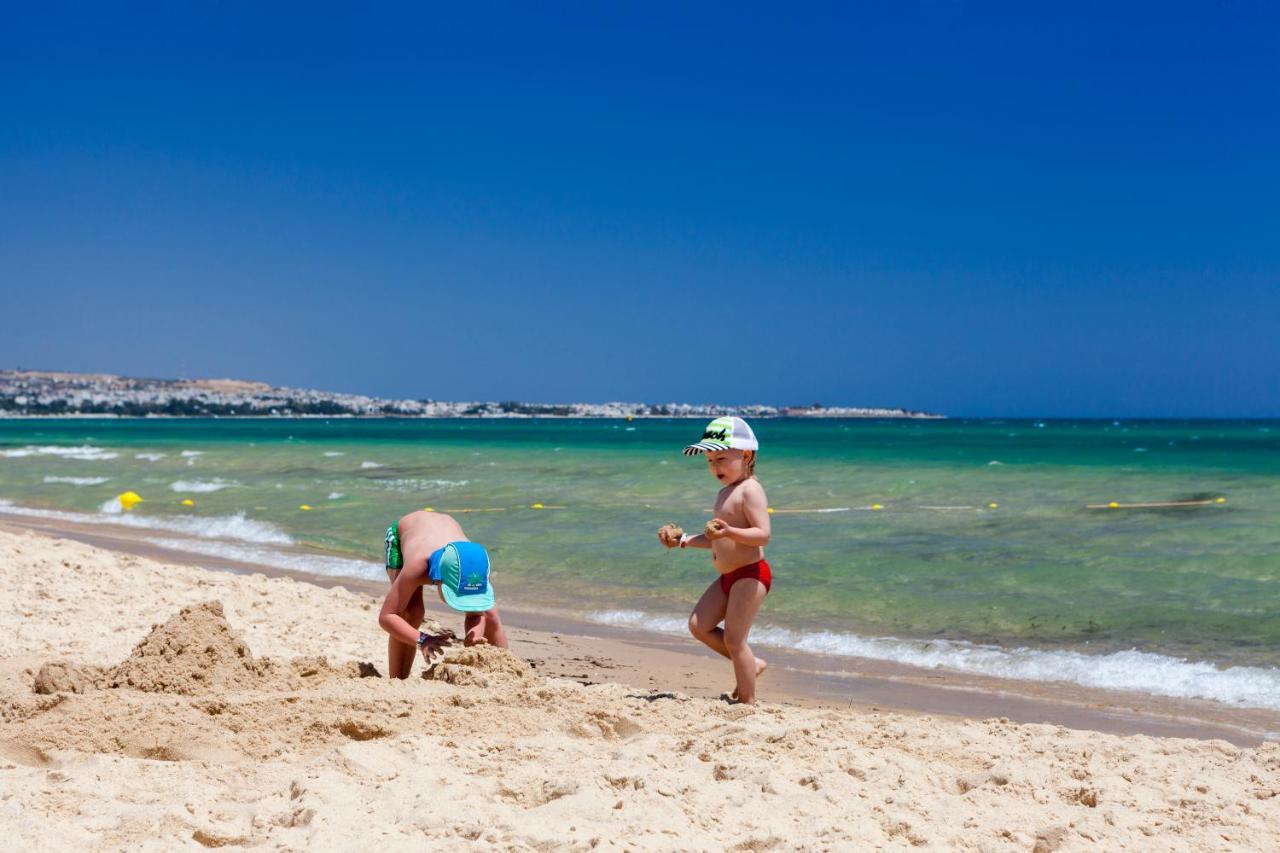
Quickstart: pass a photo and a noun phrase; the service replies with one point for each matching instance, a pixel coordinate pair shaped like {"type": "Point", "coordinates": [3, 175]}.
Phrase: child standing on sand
{"type": "Point", "coordinates": [736, 535]}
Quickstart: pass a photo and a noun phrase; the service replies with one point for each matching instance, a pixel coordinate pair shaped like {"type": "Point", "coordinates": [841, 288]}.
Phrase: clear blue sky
{"type": "Point", "coordinates": [972, 208]}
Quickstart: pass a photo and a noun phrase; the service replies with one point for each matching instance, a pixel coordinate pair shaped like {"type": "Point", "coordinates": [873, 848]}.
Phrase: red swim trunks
{"type": "Point", "coordinates": [758, 571]}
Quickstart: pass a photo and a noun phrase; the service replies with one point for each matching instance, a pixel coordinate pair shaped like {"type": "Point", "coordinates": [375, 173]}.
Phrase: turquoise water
{"type": "Point", "coordinates": [1040, 572]}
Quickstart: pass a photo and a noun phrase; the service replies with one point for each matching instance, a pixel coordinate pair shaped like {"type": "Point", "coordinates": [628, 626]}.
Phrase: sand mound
{"type": "Point", "coordinates": [478, 666]}
{"type": "Point", "coordinates": [194, 652]}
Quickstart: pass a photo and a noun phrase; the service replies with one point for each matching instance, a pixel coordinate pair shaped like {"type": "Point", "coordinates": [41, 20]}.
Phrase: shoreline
{"type": "Point", "coordinates": [159, 706]}
{"type": "Point", "coordinates": [591, 653]}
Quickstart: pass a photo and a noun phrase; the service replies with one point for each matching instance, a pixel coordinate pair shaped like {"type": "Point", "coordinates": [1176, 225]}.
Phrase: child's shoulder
{"type": "Point", "coordinates": [750, 486]}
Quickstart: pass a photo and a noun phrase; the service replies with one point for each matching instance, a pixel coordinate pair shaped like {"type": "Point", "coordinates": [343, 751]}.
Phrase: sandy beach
{"type": "Point", "coordinates": [153, 706]}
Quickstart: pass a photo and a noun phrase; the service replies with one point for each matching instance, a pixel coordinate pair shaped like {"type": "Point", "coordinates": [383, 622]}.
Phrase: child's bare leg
{"type": "Point", "coordinates": [493, 631]}
{"type": "Point", "coordinates": [707, 615]}
{"type": "Point", "coordinates": [400, 656]}
{"type": "Point", "coordinates": [473, 624]}
{"type": "Point", "coordinates": [745, 598]}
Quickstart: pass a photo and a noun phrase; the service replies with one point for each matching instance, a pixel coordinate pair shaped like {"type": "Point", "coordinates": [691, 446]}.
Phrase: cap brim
{"type": "Point", "coordinates": [705, 447]}
{"type": "Point", "coordinates": [476, 603]}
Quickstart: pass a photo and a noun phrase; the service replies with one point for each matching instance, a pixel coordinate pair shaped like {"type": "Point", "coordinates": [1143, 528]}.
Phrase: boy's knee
{"type": "Point", "coordinates": [701, 630]}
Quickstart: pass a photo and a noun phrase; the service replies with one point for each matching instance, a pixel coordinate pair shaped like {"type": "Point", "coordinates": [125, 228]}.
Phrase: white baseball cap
{"type": "Point", "coordinates": [727, 433]}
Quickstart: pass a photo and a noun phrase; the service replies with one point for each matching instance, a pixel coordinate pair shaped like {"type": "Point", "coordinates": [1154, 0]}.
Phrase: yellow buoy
{"type": "Point", "coordinates": [305, 507]}
{"type": "Point", "coordinates": [128, 500]}
{"type": "Point", "coordinates": [628, 418]}
{"type": "Point", "coordinates": [876, 506]}
{"type": "Point", "coordinates": [188, 502]}
{"type": "Point", "coordinates": [1219, 500]}
{"type": "Point", "coordinates": [993, 505]}
{"type": "Point", "coordinates": [1114, 505]}
{"type": "Point", "coordinates": [770, 510]}
{"type": "Point", "coordinates": [427, 509]}
{"type": "Point", "coordinates": [536, 506]}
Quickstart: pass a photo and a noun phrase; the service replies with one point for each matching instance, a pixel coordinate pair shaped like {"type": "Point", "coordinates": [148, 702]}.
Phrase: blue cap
{"type": "Point", "coordinates": [462, 568]}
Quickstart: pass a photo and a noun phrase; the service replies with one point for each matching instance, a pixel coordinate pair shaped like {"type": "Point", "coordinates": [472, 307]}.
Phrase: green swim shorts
{"type": "Point", "coordinates": [395, 560]}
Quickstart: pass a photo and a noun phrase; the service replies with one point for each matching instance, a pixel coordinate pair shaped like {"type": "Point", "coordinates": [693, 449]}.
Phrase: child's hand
{"type": "Point", "coordinates": [433, 649]}
{"type": "Point", "coordinates": [670, 534]}
{"type": "Point", "coordinates": [717, 528]}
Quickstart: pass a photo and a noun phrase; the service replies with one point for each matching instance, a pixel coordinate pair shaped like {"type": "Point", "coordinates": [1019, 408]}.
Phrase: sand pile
{"type": "Point", "coordinates": [478, 666]}
{"type": "Point", "coordinates": [196, 651]}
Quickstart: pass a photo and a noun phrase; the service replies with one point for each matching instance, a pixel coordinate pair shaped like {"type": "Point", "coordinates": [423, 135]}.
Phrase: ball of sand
{"type": "Point", "coordinates": [671, 532]}
{"type": "Point", "coordinates": [60, 677]}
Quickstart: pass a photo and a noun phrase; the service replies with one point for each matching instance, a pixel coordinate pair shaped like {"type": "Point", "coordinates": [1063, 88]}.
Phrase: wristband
{"type": "Point", "coordinates": [423, 637]}
{"type": "Point", "coordinates": [684, 538]}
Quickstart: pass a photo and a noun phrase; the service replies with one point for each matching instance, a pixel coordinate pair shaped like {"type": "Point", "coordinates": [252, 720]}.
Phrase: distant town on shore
{"type": "Point", "coordinates": [43, 393]}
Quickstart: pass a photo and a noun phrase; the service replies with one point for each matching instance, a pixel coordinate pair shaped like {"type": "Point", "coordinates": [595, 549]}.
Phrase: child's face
{"type": "Point", "coordinates": [727, 466]}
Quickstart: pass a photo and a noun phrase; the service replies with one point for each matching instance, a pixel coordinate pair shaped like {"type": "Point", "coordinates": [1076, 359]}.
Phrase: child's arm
{"type": "Point", "coordinates": [699, 541]}
{"type": "Point", "coordinates": [755, 507]}
{"type": "Point", "coordinates": [396, 602]}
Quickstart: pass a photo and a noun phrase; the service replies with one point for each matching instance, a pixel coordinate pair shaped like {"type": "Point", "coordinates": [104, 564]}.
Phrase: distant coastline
{"type": "Point", "coordinates": [43, 393]}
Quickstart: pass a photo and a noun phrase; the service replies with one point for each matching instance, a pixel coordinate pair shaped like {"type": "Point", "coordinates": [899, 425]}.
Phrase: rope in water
{"type": "Point", "coordinates": [128, 500]}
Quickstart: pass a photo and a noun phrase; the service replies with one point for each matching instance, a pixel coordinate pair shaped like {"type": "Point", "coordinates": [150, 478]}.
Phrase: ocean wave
{"type": "Point", "coordinates": [1147, 672]}
{"type": "Point", "coordinates": [202, 486]}
{"type": "Point", "coordinates": [371, 465]}
{"type": "Point", "coordinates": [236, 526]}
{"type": "Point", "coordinates": [150, 457]}
{"type": "Point", "coordinates": [78, 481]}
{"type": "Point", "coordinates": [85, 453]}
{"type": "Point", "coordinates": [314, 563]}
{"type": "Point", "coordinates": [418, 484]}
{"type": "Point", "coordinates": [332, 453]}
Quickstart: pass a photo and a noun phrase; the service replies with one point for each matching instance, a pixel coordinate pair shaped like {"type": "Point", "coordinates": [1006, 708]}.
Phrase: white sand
{"type": "Point", "coordinates": [307, 754]}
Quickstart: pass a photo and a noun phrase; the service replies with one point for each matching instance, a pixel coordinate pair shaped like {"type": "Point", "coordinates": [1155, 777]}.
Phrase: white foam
{"type": "Point", "coordinates": [414, 484]}
{"type": "Point", "coordinates": [313, 563]}
{"type": "Point", "coordinates": [1147, 672]}
{"type": "Point", "coordinates": [85, 453]}
{"type": "Point", "coordinates": [78, 481]}
{"type": "Point", "coordinates": [334, 453]}
{"type": "Point", "coordinates": [191, 454]}
{"type": "Point", "coordinates": [150, 457]}
{"type": "Point", "coordinates": [202, 486]}
{"type": "Point", "coordinates": [371, 465]}
{"type": "Point", "coordinates": [236, 526]}
{"type": "Point", "coordinates": [333, 496]}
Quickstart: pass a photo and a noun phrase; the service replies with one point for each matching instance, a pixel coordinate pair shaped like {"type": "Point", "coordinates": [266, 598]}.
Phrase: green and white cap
{"type": "Point", "coordinates": [726, 433]}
